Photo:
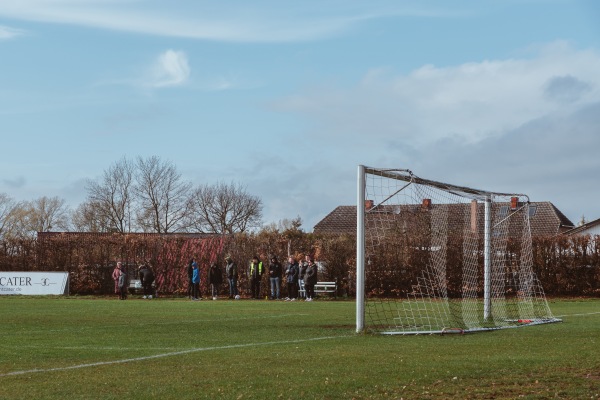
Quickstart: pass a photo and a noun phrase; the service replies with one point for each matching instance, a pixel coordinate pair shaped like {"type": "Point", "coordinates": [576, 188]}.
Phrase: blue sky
{"type": "Point", "coordinates": [288, 97]}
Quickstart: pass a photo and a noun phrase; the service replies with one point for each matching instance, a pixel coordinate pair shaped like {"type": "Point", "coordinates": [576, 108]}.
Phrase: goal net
{"type": "Point", "coordinates": [434, 257]}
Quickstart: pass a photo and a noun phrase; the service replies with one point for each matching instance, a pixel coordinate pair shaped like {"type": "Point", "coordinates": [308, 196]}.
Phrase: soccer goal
{"type": "Point", "coordinates": [440, 258]}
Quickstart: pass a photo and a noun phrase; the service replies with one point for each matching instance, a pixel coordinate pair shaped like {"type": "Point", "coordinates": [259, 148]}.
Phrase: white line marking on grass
{"type": "Point", "coordinates": [175, 353]}
{"type": "Point", "coordinates": [577, 315]}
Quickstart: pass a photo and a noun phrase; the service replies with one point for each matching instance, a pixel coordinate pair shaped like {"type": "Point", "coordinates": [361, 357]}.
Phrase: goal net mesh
{"type": "Point", "coordinates": [426, 268]}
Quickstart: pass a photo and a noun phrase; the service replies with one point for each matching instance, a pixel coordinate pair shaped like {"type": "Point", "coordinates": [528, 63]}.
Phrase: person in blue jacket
{"type": "Point", "coordinates": [195, 281]}
{"type": "Point", "coordinates": [190, 271]}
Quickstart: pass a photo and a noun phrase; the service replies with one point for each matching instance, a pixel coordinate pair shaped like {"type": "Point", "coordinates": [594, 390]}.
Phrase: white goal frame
{"type": "Point", "coordinates": [482, 196]}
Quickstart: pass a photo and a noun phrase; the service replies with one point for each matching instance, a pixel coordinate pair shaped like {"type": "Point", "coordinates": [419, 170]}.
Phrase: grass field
{"type": "Point", "coordinates": [100, 348]}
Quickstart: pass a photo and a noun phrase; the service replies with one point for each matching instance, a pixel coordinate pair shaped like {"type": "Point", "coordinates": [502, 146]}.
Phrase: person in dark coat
{"type": "Point", "coordinates": [147, 279]}
{"type": "Point", "coordinates": [275, 272]}
{"type": "Point", "coordinates": [301, 272]}
{"type": "Point", "coordinates": [215, 278]}
{"type": "Point", "coordinates": [231, 271]}
{"type": "Point", "coordinates": [291, 275]}
{"type": "Point", "coordinates": [310, 279]}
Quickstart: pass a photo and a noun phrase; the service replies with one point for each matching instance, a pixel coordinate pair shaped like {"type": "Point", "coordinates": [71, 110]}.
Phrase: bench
{"type": "Point", "coordinates": [321, 287]}
{"type": "Point", "coordinates": [135, 286]}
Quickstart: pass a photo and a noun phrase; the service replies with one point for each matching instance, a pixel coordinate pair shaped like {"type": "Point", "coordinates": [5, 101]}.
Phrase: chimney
{"type": "Point", "coordinates": [368, 205]}
{"type": "Point", "coordinates": [474, 216]}
{"type": "Point", "coordinates": [426, 205]}
{"type": "Point", "coordinates": [514, 203]}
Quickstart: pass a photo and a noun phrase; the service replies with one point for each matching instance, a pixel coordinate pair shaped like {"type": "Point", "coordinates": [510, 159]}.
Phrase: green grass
{"type": "Point", "coordinates": [99, 348]}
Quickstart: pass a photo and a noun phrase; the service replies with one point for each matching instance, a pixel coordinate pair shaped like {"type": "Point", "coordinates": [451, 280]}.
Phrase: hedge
{"type": "Point", "coordinates": [565, 265]}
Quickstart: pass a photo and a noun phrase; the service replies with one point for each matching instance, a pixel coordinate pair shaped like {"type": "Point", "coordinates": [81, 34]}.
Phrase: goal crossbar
{"type": "Point", "coordinates": [407, 176]}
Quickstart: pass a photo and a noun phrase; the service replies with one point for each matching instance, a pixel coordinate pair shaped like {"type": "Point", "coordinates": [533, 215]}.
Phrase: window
{"type": "Point", "coordinates": [532, 210]}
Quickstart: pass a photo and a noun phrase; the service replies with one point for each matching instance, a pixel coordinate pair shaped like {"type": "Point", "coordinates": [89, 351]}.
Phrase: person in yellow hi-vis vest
{"type": "Point", "coordinates": [256, 272]}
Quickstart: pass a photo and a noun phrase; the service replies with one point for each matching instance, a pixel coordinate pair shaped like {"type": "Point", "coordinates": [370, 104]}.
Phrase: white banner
{"type": "Point", "coordinates": [33, 283]}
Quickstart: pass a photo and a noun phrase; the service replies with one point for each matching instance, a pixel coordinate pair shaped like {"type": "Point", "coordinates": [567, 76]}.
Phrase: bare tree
{"type": "Point", "coordinates": [7, 208]}
{"type": "Point", "coordinates": [88, 217]}
{"type": "Point", "coordinates": [163, 196]}
{"type": "Point", "coordinates": [290, 227]}
{"type": "Point", "coordinates": [222, 208]}
{"type": "Point", "coordinates": [111, 197]}
{"type": "Point", "coordinates": [40, 215]}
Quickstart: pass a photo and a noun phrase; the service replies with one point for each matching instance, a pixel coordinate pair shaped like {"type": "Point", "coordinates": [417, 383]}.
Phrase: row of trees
{"type": "Point", "coordinates": [137, 195]}
{"type": "Point", "coordinates": [139, 208]}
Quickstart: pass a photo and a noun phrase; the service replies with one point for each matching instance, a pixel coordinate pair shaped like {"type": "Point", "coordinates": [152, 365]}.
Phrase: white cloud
{"type": "Point", "coordinates": [170, 69]}
{"type": "Point", "coordinates": [9, 33]}
{"type": "Point", "coordinates": [526, 125]}
{"type": "Point", "coordinates": [472, 101]}
{"type": "Point", "coordinates": [236, 21]}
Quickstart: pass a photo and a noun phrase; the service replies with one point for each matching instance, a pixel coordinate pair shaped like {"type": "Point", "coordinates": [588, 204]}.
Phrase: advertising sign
{"type": "Point", "coordinates": [34, 283]}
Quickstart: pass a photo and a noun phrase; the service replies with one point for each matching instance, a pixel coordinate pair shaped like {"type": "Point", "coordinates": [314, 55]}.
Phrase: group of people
{"type": "Point", "coordinates": [145, 274]}
{"type": "Point", "coordinates": [300, 277]}
{"type": "Point", "coordinates": [215, 279]}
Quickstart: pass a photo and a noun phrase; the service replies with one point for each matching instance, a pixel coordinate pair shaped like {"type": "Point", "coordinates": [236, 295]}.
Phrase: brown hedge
{"type": "Point", "coordinates": [565, 265]}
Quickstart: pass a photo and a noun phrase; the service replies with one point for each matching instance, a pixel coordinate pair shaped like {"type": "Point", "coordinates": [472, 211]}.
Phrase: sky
{"type": "Point", "coordinates": [287, 98]}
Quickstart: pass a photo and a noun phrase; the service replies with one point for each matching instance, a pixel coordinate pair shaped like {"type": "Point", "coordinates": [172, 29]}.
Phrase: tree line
{"type": "Point", "coordinates": [137, 195]}
{"type": "Point", "coordinates": [142, 210]}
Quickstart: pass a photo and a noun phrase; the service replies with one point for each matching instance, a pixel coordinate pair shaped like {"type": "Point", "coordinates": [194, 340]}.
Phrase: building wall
{"type": "Point", "coordinates": [594, 230]}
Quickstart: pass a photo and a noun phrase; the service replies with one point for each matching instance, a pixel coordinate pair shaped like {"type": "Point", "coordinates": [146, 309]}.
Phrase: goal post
{"type": "Point", "coordinates": [360, 252]}
{"type": "Point", "coordinates": [434, 257]}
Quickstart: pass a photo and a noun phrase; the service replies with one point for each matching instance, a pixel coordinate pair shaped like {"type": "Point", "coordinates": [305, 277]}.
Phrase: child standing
{"type": "Point", "coordinates": [123, 284]}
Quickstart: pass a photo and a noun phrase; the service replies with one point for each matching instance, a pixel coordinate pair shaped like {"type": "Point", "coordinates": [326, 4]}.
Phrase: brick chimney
{"type": "Point", "coordinates": [473, 216]}
{"type": "Point", "coordinates": [368, 205]}
{"type": "Point", "coordinates": [426, 205]}
{"type": "Point", "coordinates": [514, 203]}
